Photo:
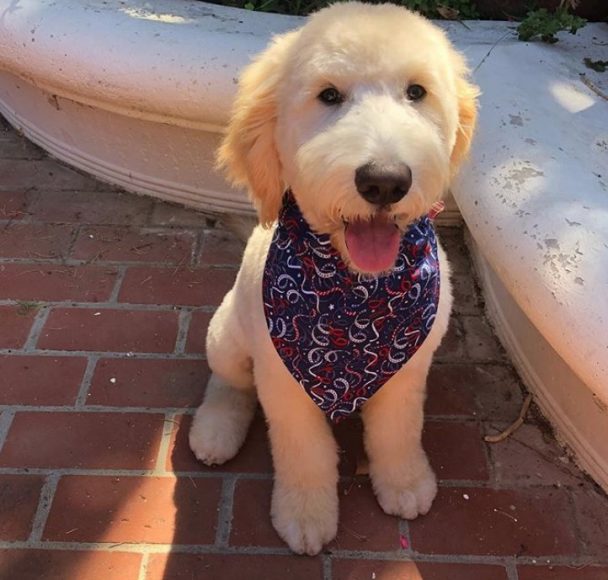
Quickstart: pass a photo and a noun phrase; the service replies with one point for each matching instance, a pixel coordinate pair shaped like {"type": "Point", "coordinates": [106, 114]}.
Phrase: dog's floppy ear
{"type": "Point", "coordinates": [467, 94]}
{"type": "Point", "coordinates": [248, 151]}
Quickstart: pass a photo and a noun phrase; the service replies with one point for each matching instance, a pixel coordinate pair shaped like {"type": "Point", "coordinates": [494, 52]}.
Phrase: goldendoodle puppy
{"type": "Point", "coordinates": [346, 133]}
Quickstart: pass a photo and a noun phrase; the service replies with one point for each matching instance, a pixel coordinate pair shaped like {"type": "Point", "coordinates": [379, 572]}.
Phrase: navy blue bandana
{"type": "Point", "coordinates": [342, 335]}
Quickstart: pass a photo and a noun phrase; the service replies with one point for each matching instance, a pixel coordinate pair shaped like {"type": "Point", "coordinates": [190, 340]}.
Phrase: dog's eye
{"type": "Point", "coordinates": [331, 96]}
{"type": "Point", "coordinates": [415, 92]}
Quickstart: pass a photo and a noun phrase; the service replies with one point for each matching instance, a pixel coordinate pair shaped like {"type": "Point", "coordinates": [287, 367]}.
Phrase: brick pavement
{"type": "Point", "coordinates": [104, 301]}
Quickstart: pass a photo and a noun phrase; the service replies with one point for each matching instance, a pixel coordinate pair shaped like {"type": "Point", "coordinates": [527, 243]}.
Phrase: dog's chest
{"type": "Point", "coordinates": [341, 336]}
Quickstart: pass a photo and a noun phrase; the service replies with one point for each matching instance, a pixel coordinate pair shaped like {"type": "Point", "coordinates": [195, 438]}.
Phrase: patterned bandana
{"type": "Point", "coordinates": [341, 335]}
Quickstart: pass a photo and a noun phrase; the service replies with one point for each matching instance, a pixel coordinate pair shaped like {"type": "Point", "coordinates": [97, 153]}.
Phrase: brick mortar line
{"type": "Point", "coordinates": [404, 530]}
{"type": "Point", "coordinates": [143, 567]}
{"type": "Point", "coordinates": [144, 548]}
{"type": "Point", "coordinates": [44, 507]}
{"type": "Point", "coordinates": [98, 409]}
{"type": "Point", "coordinates": [327, 567]}
{"type": "Point", "coordinates": [162, 265]}
{"type": "Point", "coordinates": [165, 442]}
{"type": "Point", "coordinates": [121, 272]}
{"type": "Point", "coordinates": [103, 354]}
{"type": "Point", "coordinates": [511, 567]}
{"type": "Point", "coordinates": [258, 476]}
{"type": "Point", "coordinates": [197, 249]}
{"type": "Point", "coordinates": [36, 329]}
{"type": "Point", "coordinates": [184, 320]}
{"type": "Point", "coordinates": [72, 304]}
{"type": "Point", "coordinates": [83, 391]}
{"type": "Point", "coordinates": [6, 420]}
{"type": "Point", "coordinates": [225, 512]}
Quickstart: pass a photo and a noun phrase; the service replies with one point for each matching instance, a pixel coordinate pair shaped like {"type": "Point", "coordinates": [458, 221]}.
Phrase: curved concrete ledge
{"type": "Point", "coordinates": [535, 199]}
{"type": "Point", "coordinates": [533, 195]}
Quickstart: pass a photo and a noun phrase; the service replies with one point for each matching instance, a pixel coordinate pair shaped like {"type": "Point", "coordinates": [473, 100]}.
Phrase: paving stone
{"type": "Point", "coordinates": [573, 572]}
{"type": "Point", "coordinates": [50, 282]}
{"type": "Point", "coordinates": [109, 330]}
{"type": "Point", "coordinates": [43, 174]}
{"type": "Point", "coordinates": [481, 344]}
{"type": "Point", "coordinates": [197, 333]}
{"type": "Point", "coordinates": [19, 495]}
{"type": "Point", "coordinates": [40, 380]}
{"type": "Point", "coordinates": [14, 205]}
{"type": "Point", "coordinates": [15, 324]}
{"type": "Point", "coordinates": [134, 509]}
{"type": "Point", "coordinates": [455, 450]}
{"type": "Point", "coordinates": [528, 457]}
{"type": "Point", "coordinates": [220, 248]}
{"type": "Point", "coordinates": [83, 440]}
{"type": "Point", "coordinates": [398, 570]}
{"type": "Point", "coordinates": [174, 215]}
{"type": "Point", "coordinates": [91, 207]}
{"type": "Point", "coordinates": [466, 296]}
{"type": "Point", "coordinates": [591, 508]}
{"type": "Point", "coordinates": [63, 564]}
{"type": "Point", "coordinates": [121, 244]}
{"type": "Point", "coordinates": [233, 567]}
{"type": "Point", "coordinates": [486, 524]}
{"type": "Point", "coordinates": [148, 383]}
{"type": "Point", "coordinates": [200, 287]}
{"type": "Point", "coordinates": [452, 345]}
{"type": "Point", "coordinates": [35, 241]}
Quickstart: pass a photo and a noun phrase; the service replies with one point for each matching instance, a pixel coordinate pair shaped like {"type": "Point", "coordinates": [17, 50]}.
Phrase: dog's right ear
{"type": "Point", "coordinates": [248, 151]}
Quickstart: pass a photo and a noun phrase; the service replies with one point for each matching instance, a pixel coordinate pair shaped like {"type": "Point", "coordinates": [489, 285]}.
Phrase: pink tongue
{"type": "Point", "coordinates": [373, 245]}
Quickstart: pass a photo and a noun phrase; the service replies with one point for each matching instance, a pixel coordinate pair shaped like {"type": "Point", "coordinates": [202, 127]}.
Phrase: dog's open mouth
{"type": "Point", "coordinates": [373, 244]}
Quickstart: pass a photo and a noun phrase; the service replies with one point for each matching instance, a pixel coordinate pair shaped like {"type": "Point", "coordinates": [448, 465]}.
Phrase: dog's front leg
{"type": "Point", "coordinates": [402, 478]}
{"type": "Point", "coordinates": [305, 498]}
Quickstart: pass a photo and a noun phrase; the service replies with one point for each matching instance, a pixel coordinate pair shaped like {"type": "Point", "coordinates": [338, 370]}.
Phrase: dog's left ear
{"type": "Point", "coordinates": [467, 94]}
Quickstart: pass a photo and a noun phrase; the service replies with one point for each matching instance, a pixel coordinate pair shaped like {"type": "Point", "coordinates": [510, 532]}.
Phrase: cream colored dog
{"type": "Point", "coordinates": [358, 87]}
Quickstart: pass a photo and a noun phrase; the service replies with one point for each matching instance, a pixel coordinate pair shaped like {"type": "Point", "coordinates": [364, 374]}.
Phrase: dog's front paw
{"type": "Point", "coordinates": [409, 498]}
{"type": "Point", "coordinates": [305, 519]}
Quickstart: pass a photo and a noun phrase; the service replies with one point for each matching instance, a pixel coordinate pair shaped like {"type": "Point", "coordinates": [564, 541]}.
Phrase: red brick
{"type": "Point", "coordinates": [83, 440]}
{"type": "Point", "coordinates": [574, 572]}
{"type": "Point", "coordinates": [109, 330]}
{"type": "Point", "coordinates": [349, 436]}
{"type": "Point", "coordinates": [148, 383]}
{"type": "Point", "coordinates": [15, 324]}
{"type": "Point", "coordinates": [466, 295]}
{"type": "Point", "coordinates": [13, 205]}
{"type": "Point", "coordinates": [60, 565]}
{"type": "Point", "coordinates": [54, 282]}
{"type": "Point", "coordinates": [91, 207]}
{"type": "Point", "coordinates": [39, 380]}
{"type": "Point", "coordinates": [19, 495]}
{"type": "Point", "coordinates": [481, 344]}
{"type": "Point", "coordinates": [200, 287]}
{"type": "Point", "coordinates": [528, 456]}
{"type": "Point", "coordinates": [197, 333]}
{"type": "Point", "coordinates": [485, 524]}
{"type": "Point", "coordinates": [452, 345]}
{"type": "Point", "coordinates": [28, 174]}
{"type": "Point", "coordinates": [362, 524]}
{"type": "Point", "coordinates": [127, 244]}
{"type": "Point", "coordinates": [455, 450]}
{"type": "Point", "coordinates": [174, 215]}
{"type": "Point", "coordinates": [399, 570]}
{"type": "Point", "coordinates": [233, 567]}
{"type": "Point", "coordinates": [221, 247]}
{"type": "Point", "coordinates": [35, 241]}
{"type": "Point", "coordinates": [253, 457]}
{"type": "Point", "coordinates": [18, 147]}
{"type": "Point", "coordinates": [134, 509]}
{"type": "Point", "coordinates": [591, 508]}
{"type": "Point", "coordinates": [487, 391]}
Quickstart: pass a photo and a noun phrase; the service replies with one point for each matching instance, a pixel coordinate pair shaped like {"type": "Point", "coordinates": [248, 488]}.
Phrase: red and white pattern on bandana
{"type": "Point", "coordinates": [342, 335]}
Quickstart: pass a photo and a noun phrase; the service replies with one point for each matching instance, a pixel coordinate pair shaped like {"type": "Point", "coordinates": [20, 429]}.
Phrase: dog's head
{"type": "Point", "coordinates": [365, 113]}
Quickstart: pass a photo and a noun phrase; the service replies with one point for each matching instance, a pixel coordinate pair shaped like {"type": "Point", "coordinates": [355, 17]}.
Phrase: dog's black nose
{"type": "Point", "coordinates": [383, 185]}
